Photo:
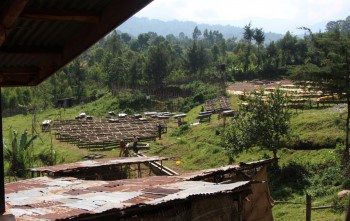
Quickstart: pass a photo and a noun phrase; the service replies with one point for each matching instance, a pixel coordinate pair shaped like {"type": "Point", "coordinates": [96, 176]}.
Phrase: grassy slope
{"type": "Point", "coordinates": [198, 147]}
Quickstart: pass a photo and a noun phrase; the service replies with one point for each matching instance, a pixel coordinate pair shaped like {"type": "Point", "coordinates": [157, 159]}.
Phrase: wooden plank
{"type": "Point", "coordinates": [9, 17]}
{"type": "Point", "coordinates": [32, 51]}
{"type": "Point", "coordinates": [113, 15]}
{"type": "Point", "coordinates": [59, 15]}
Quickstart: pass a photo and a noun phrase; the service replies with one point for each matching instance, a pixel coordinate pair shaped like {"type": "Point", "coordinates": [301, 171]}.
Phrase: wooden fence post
{"type": "Point", "coordinates": [308, 207]}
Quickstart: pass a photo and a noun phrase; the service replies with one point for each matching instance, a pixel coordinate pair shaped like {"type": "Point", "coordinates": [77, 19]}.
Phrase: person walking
{"type": "Point", "coordinates": [134, 144]}
{"type": "Point", "coordinates": [123, 150]}
{"type": "Point", "coordinates": [159, 126]}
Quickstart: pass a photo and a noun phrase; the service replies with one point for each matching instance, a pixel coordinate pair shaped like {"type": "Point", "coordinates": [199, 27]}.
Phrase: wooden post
{"type": "Point", "coordinates": [308, 207]}
{"type": "Point", "coordinates": [2, 174]}
{"type": "Point", "coordinates": [139, 170]}
{"type": "Point", "coordinates": [240, 207]}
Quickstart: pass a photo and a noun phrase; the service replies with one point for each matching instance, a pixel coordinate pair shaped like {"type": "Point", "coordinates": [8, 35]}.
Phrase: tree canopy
{"type": "Point", "coordinates": [264, 122]}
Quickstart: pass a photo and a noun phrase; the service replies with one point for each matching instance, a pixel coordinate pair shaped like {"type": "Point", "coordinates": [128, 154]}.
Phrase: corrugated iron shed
{"type": "Point", "coordinates": [47, 198]}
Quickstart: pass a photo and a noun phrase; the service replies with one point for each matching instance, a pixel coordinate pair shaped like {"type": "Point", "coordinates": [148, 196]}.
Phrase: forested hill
{"type": "Point", "coordinates": [191, 68]}
{"type": "Point", "coordinates": [135, 26]}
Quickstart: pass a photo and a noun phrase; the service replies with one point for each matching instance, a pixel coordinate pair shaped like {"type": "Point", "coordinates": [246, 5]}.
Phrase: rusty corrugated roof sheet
{"type": "Point", "coordinates": [47, 198]}
{"type": "Point", "coordinates": [66, 198]}
{"type": "Point", "coordinates": [197, 175]}
{"type": "Point", "coordinates": [97, 163]}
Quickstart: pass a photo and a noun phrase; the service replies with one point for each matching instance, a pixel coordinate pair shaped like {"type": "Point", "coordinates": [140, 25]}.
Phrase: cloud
{"type": "Point", "coordinates": [305, 12]}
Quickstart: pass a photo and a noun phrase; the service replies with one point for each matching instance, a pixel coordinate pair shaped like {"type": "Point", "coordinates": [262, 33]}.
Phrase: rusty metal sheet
{"type": "Point", "coordinates": [46, 198]}
{"type": "Point", "coordinates": [196, 188]}
{"type": "Point", "coordinates": [226, 169]}
{"type": "Point", "coordinates": [97, 163]}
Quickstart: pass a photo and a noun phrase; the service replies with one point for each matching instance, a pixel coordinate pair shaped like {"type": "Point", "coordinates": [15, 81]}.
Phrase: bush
{"type": "Point", "coordinates": [181, 130]}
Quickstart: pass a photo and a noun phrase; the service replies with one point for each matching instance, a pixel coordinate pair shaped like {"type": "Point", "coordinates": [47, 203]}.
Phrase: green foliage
{"type": "Point", "coordinates": [328, 66]}
{"type": "Point", "coordinates": [264, 122]}
{"type": "Point", "coordinates": [158, 64]}
{"type": "Point", "coordinates": [293, 177]}
{"type": "Point", "coordinates": [181, 130]}
{"type": "Point", "coordinates": [18, 153]}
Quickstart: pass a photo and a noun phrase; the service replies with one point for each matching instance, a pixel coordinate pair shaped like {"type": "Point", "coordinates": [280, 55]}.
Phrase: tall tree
{"type": "Point", "coordinates": [117, 74]}
{"type": "Point", "coordinates": [158, 64]}
{"type": "Point", "coordinates": [288, 47]}
{"type": "Point", "coordinates": [197, 59]}
{"type": "Point", "coordinates": [248, 36]}
{"type": "Point", "coordinates": [135, 72]}
{"type": "Point", "coordinates": [272, 54]}
{"type": "Point", "coordinates": [259, 37]}
{"type": "Point", "coordinates": [196, 33]}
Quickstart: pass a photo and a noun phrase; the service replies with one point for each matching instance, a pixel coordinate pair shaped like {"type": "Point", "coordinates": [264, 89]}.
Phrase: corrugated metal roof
{"type": "Point", "coordinates": [65, 198]}
{"type": "Point", "coordinates": [197, 175]}
{"type": "Point", "coordinates": [97, 163]}
{"type": "Point", "coordinates": [47, 198]}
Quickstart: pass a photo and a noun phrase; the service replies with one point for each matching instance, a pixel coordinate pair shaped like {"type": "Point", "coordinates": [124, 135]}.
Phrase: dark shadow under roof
{"type": "Point", "coordinates": [38, 37]}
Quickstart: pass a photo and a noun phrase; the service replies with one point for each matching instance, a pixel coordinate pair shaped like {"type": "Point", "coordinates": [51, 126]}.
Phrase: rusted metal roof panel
{"type": "Point", "coordinates": [53, 199]}
{"type": "Point", "coordinates": [97, 163]}
{"type": "Point", "coordinates": [197, 175]}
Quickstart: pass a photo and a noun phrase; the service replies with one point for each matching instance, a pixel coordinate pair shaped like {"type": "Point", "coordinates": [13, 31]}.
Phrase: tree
{"type": "Point", "coordinates": [197, 58]}
{"type": "Point", "coordinates": [135, 72]}
{"type": "Point", "coordinates": [288, 47]}
{"type": "Point", "coordinates": [196, 33]}
{"type": "Point", "coordinates": [158, 63]}
{"type": "Point", "coordinates": [126, 37]}
{"type": "Point", "coordinates": [329, 68]}
{"type": "Point", "coordinates": [215, 51]}
{"type": "Point", "coordinates": [264, 122]}
{"type": "Point", "coordinates": [76, 78]}
{"type": "Point", "coordinates": [272, 54]}
{"type": "Point", "coordinates": [259, 37]}
{"type": "Point", "coordinates": [143, 40]}
{"type": "Point", "coordinates": [116, 74]}
{"type": "Point", "coordinates": [248, 36]}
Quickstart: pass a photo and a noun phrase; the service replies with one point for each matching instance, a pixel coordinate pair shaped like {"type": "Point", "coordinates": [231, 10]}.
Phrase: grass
{"type": "Point", "coordinates": [318, 128]}
{"type": "Point", "coordinates": [310, 169]}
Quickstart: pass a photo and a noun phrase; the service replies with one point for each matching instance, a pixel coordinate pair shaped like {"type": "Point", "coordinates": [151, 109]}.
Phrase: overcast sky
{"type": "Point", "coordinates": [271, 15]}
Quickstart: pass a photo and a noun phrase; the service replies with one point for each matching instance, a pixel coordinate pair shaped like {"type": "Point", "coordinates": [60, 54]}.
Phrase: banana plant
{"type": "Point", "coordinates": [19, 154]}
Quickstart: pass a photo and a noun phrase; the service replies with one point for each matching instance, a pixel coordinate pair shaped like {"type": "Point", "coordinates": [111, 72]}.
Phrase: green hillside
{"type": "Point", "coordinates": [316, 171]}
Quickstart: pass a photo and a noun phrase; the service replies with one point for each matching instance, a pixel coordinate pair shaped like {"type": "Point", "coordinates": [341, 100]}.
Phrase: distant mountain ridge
{"type": "Point", "coordinates": [135, 26]}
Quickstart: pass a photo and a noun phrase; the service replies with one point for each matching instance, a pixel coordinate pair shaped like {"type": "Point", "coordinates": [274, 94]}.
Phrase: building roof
{"type": "Point", "coordinates": [47, 198]}
{"type": "Point", "coordinates": [97, 163]}
{"type": "Point", "coordinates": [39, 37]}
{"type": "Point", "coordinates": [202, 174]}
{"type": "Point", "coordinates": [67, 198]}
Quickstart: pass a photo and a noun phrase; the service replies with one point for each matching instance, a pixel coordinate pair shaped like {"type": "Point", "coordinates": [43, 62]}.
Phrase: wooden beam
{"type": "Point", "coordinates": [32, 51]}
{"type": "Point", "coordinates": [57, 15]}
{"type": "Point", "coordinates": [114, 15]}
{"type": "Point", "coordinates": [16, 76]}
{"type": "Point", "coordinates": [18, 71]}
{"type": "Point", "coordinates": [9, 17]}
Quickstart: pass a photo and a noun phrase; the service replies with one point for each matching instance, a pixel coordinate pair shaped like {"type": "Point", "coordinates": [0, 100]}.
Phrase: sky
{"type": "Point", "coordinates": [277, 16]}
